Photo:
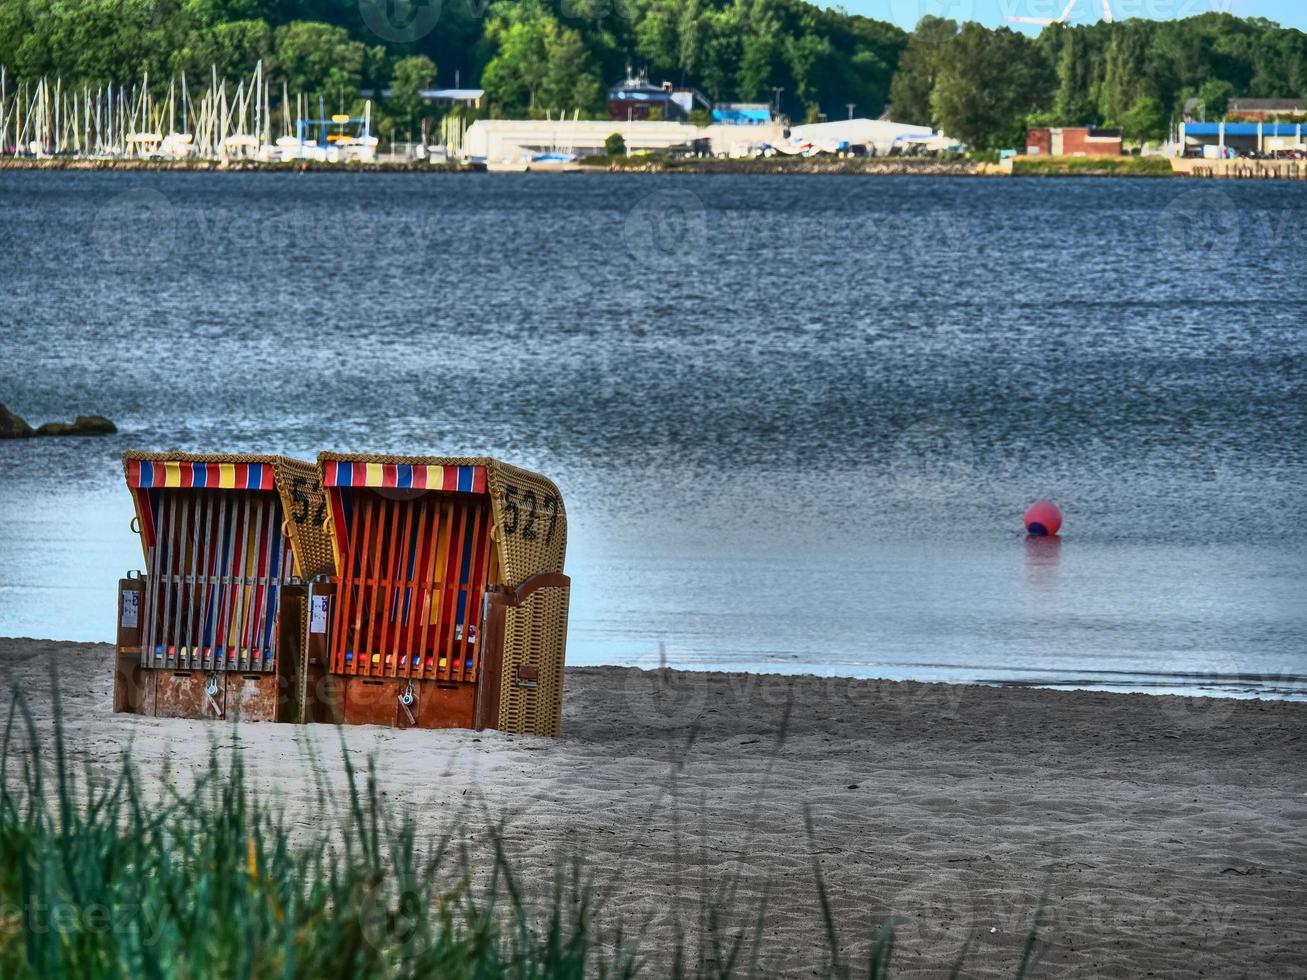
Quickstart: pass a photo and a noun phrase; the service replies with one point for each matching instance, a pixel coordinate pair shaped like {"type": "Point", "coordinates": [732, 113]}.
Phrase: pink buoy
{"type": "Point", "coordinates": [1043, 519]}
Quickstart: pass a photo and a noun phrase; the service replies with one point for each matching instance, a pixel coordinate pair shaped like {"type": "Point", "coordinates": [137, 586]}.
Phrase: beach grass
{"type": "Point", "coordinates": [98, 881]}
{"type": "Point", "coordinates": [1092, 167]}
{"type": "Point", "coordinates": [101, 879]}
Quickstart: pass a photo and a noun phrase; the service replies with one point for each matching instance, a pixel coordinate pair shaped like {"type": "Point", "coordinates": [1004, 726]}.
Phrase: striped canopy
{"type": "Point", "coordinates": [149, 474]}
{"type": "Point", "coordinates": [405, 476]}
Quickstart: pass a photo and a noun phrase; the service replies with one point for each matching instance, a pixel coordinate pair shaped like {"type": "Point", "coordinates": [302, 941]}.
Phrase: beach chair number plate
{"type": "Point", "coordinates": [318, 619]}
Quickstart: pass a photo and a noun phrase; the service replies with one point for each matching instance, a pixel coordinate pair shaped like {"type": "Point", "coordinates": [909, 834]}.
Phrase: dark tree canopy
{"type": "Point", "coordinates": [538, 56]}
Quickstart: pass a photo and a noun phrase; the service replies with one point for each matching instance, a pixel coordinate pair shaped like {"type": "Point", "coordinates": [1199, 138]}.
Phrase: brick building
{"type": "Point", "coordinates": [1073, 141]}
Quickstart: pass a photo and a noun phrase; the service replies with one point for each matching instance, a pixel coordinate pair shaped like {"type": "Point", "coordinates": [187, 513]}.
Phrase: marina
{"type": "Point", "coordinates": [255, 123]}
{"type": "Point", "coordinates": [221, 122]}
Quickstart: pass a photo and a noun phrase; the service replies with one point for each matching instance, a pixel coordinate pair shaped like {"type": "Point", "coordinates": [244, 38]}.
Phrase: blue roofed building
{"type": "Point", "coordinates": [1222, 139]}
{"type": "Point", "coordinates": [742, 113]}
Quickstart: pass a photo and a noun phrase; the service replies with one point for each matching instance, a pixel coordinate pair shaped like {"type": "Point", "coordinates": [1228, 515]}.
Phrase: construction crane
{"type": "Point", "coordinates": [1066, 14]}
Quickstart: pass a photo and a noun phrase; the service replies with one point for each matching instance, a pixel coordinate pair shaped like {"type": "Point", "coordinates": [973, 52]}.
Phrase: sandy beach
{"type": "Point", "coordinates": [1169, 836]}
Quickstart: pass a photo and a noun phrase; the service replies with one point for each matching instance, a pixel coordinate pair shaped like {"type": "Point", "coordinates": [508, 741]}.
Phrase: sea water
{"type": "Point", "coordinates": [795, 420]}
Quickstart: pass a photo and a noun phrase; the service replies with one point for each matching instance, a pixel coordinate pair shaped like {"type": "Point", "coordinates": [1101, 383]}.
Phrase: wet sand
{"type": "Point", "coordinates": [1169, 835]}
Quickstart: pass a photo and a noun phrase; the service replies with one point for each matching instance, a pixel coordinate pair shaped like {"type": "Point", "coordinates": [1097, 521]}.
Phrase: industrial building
{"type": "Point", "coordinates": [879, 136]}
{"type": "Point", "coordinates": [511, 140]}
{"type": "Point", "coordinates": [1230, 139]}
{"type": "Point", "coordinates": [494, 140]}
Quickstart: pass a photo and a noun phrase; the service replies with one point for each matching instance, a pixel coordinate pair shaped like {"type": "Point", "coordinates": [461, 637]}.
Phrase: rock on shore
{"type": "Point", "coordinates": [15, 427]}
{"type": "Point", "coordinates": [83, 425]}
{"type": "Point", "coordinates": [12, 426]}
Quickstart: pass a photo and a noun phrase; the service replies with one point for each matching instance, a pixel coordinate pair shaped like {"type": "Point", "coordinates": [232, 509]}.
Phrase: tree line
{"type": "Point", "coordinates": [533, 57]}
{"type": "Point", "coordinates": [985, 87]}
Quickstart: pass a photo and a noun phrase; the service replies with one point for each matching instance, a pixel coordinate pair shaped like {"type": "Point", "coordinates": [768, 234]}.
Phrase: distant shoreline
{"type": "Point", "coordinates": [696, 165]}
{"type": "Point", "coordinates": [231, 166]}
{"type": "Point", "coordinates": [853, 166]}
{"type": "Point", "coordinates": [1149, 167]}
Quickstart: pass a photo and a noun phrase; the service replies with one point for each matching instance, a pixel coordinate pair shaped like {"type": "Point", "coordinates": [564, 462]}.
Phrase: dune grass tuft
{"type": "Point", "coordinates": [98, 879]}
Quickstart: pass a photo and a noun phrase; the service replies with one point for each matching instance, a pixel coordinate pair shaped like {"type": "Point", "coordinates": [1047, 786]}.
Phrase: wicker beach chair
{"type": "Point", "coordinates": [215, 625]}
{"type": "Point", "coordinates": [449, 608]}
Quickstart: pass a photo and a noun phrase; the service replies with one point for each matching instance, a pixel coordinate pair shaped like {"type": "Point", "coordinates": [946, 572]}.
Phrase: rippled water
{"type": "Point", "coordinates": [795, 420]}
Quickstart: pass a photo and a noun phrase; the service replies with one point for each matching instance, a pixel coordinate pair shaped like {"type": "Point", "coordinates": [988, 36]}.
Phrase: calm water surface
{"type": "Point", "coordinates": [796, 420]}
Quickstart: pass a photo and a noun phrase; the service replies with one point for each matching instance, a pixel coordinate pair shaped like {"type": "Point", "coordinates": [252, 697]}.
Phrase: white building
{"type": "Point", "coordinates": [510, 140]}
{"type": "Point", "coordinates": [514, 140]}
{"type": "Point", "coordinates": [880, 133]}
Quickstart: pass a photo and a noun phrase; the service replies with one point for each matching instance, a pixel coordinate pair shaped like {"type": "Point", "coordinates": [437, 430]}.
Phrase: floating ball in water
{"type": "Point", "coordinates": [1043, 519]}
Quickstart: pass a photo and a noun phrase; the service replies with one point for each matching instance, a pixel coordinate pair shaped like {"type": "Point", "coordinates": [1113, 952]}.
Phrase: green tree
{"type": "Point", "coordinates": [988, 83]}
{"type": "Point", "coordinates": [320, 59]}
{"type": "Point", "coordinates": [569, 81]}
{"type": "Point", "coordinates": [214, 12]}
{"type": "Point", "coordinates": [1146, 121]}
{"type": "Point", "coordinates": [757, 57]}
{"type": "Point", "coordinates": [1279, 64]}
{"type": "Point", "coordinates": [533, 55]}
{"type": "Point", "coordinates": [539, 66]}
{"type": "Point", "coordinates": [1125, 77]}
{"type": "Point", "coordinates": [804, 55]}
{"type": "Point", "coordinates": [513, 74]}
{"type": "Point", "coordinates": [232, 48]}
{"type": "Point", "coordinates": [1075, 104]}
{"type": "Point", "coordinates": [614, 145]}
{"type": "Point", "coordinates": [410, 76]}
{"type": "Point", "coordinates": [721, 53]}
{"type": "Point", "coordinates": [1214, 95]}
{"type": "Point", "coordinates": [693, 30]}
{"type": "Point", "coordinates": [656, 42]}
{"type": "Point", "coordinates": [914, 81]}
{"type": "Point", "coordinates": [90, 42]}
